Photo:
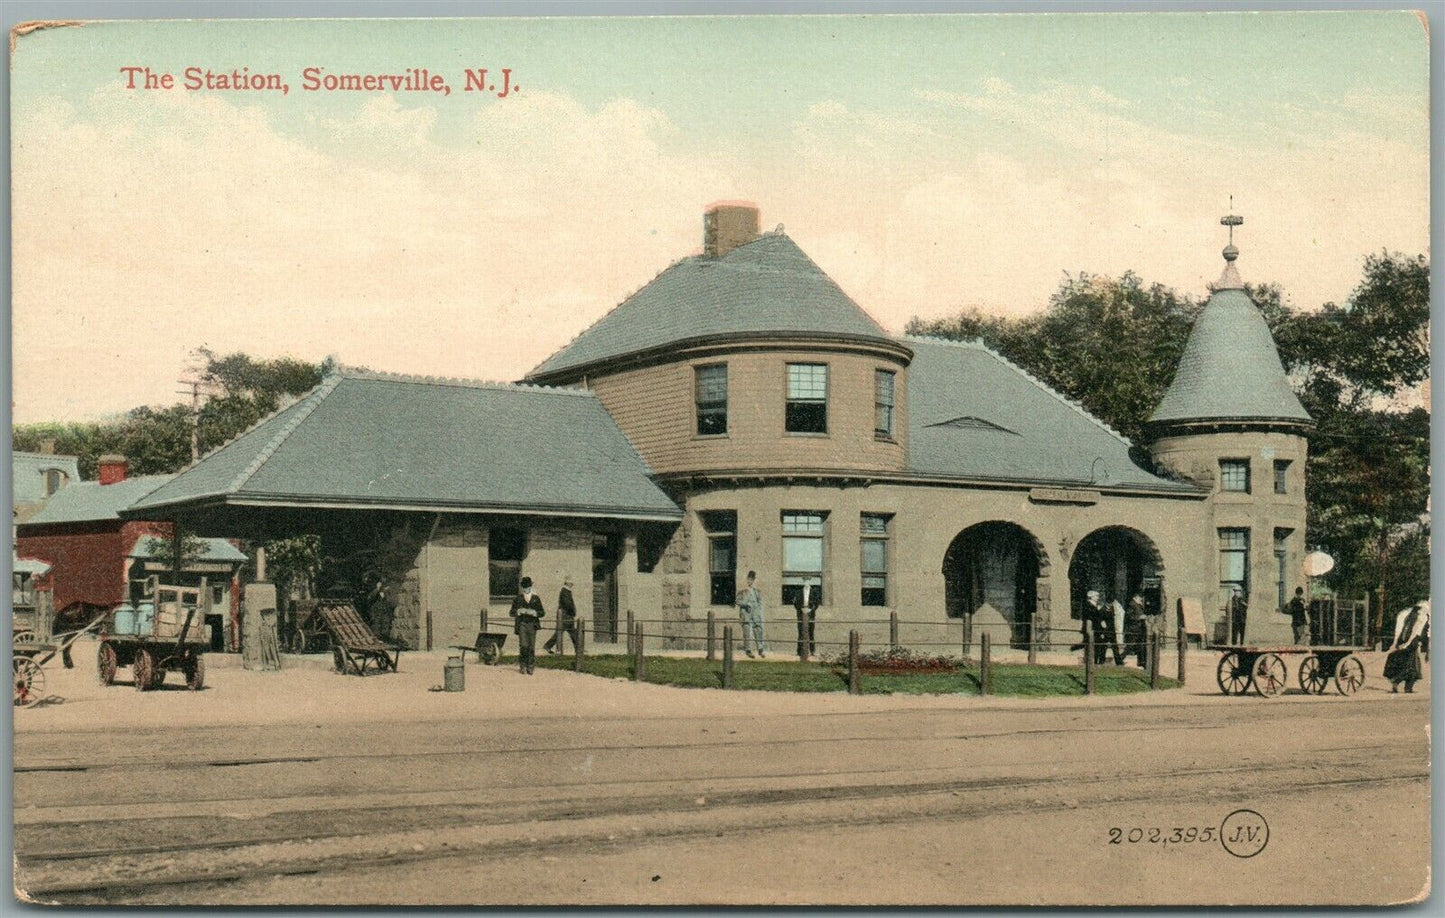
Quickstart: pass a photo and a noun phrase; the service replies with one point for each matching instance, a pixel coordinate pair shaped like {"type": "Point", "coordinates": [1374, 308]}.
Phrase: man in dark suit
{"type": "Point", "coordinates": [527, 610]}
{"type": "Point", "coordinates": [1238, 615]}
{"type": "Point", "coordinates": [566, 620]}
{"type": "Point", "coordinates": [806, 602]}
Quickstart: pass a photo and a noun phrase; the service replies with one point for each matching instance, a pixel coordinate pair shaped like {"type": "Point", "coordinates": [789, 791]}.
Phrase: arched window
{"type": "Point", "coordinates": [54, 481]}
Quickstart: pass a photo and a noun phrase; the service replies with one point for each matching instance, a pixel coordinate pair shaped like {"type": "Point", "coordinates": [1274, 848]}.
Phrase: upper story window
{"type": "Point", "coordinates": [505, 550]}
{"type": "Point", "coordinates": [54, 481]}
{"type": "Point", "coordinates": [1234, 561]}
{"type": "Point", "coordinates": [1234, 475]}
{"type": "Point", "coordinates": [711, 387]}
{"type": "Point", "coordinates": [883, 402]}
{"type": "Point", "coordinates": [1281, 476]}
{"type": "Point", "coordinates": [807, 410]}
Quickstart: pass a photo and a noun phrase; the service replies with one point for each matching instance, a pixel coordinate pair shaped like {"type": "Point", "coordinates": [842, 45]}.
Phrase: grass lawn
{"type": "Point", "coordinates": [793, 676]}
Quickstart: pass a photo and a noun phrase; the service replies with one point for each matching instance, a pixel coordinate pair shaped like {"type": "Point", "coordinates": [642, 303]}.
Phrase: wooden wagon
{"type": "Point", "coordinates": [167, 633]}
{"type": "Point", "coordinates": [1263, 669]}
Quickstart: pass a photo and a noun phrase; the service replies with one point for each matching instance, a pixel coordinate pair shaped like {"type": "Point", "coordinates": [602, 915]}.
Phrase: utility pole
{"type": "Point", "coordinates": [194, 391]}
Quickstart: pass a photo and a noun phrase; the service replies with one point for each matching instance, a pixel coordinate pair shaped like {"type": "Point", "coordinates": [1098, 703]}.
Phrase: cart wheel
{"type": "Point", "coordinates": [490, 654]}
{"type": "Point", "coordinates": [106, 663]}
{"type": "Point", "coordinates": [29, 682]}
{"type": "Point", "coordinates": [1349, 675]}
{"type": "Point", "coordinates": [1312, 676]}
{"type": "Point", "coordinates": [195, 670]}
{"type": "Point", "coordinates": [1232, 676]}
{"type": "Point", "coordinates": [26, 637]}
{"type": "Point", "coordinates": [1269, 675]}
{"type": "Point", "coordinates": [143, 670]}
{"type": "Point", "coordinates": [159, 676]}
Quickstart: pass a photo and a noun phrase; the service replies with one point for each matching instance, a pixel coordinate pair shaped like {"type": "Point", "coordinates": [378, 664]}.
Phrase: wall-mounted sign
{"type": "Point", "coordinates": [1063, 496]}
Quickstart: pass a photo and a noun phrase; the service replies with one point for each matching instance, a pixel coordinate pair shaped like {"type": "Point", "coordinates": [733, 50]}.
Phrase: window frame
{"type": "Point", "coordinates": [1281, 564]}
{"type": "Point", "coordinates": [701, 410]}
{"type": "Point", "coordinates": [721, 526]}
{"type": "Point", "coordinates": [1281, 475]}
{"type": "Point", "coordinates": [787, 590]}
{"type": "Point", "coordinates": [1234, 464]}
{"type": "Point", "coordinates": [879, 406]}
{"type": "Point", "coordinates": [57, 475]}
{"type": "Point", "coordinates": [789, 400]}
{"type": "Point", "coordinates": [1243, 552]}
{"type": "Point", "coordinates": [510, 569]}
{"type": "Point", "coordinates": [866, 537]}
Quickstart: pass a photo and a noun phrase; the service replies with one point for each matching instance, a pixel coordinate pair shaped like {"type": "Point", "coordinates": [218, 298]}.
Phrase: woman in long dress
{"type": "Point", "coordinates": [1403, 662]}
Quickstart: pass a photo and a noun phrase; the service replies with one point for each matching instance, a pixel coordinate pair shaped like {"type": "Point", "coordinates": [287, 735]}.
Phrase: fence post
{"type": "Point", "coordinates": [855, 686]}
{"type": "Point", "coordinates": [985, 645]}
{"type": "Point", "coordinates": [1088, 658]}
{"type": "Point", "coordinates": [428, 629]}
{"type": "Point", "coordinates": [578, 646]}
{"type": "Point", "coordinates": [893, 630]}
{"type": "Point", "coordinates": [967, 633]}
{"type": "Point", "coordinates": [964, 639]}
{"type": "Point", "coordinates": [639, 656]}
{"type": "Point", "coordinates": [727, 656]}
{"type": "Point", "coordinates": [1183, 641]}
{"type": "Point", "coordinates": [482, 624]}
{"type": "Point", "coordinates": [711, 635]}
{"type": "Point", "coordinates": [1034, 639]}
{"type": "Point", "coordinates": [631, 651]}
{"type": "Point", "coordinates": [1156, 647]}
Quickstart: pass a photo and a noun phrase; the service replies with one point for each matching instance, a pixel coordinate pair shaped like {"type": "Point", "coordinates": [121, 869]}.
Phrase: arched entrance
{"type": "Point", "coordinates": [996, 569]}
{"type": "Point", "coordinates": [1118, 562]}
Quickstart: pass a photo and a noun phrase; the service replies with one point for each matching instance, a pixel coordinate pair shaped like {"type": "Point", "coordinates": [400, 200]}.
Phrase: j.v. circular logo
{"type": "Point", "coordinates": [1244, 833]}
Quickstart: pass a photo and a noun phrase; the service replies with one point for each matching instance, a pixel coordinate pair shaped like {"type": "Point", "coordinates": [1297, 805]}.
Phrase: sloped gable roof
{"type": "Point", "coordinates": [93, 502]}
{"type": "Point", "coordinates": [363, 439]}
{"type": "Point", "coordinates": [973, 414]}
{"type": "Point", "coordinates": [765, 287]}
{"type": "Point", "coordinates": [1230, 369]}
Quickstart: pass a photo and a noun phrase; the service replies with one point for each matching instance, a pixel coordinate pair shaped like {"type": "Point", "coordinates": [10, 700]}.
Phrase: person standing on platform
{"type": "Point", "coordinates": [806, 603]}
{"type": "Point", "coordinates": [1402, 663]}
{"type": "Point", "coordinates": [1299, 618]}
{"type": "Point", "coordinates": [528, 611]}
{"type": "Point", "coordinates": [566, 620]}
{"type": "Point", "coordinates": [1238, 615]}
{"type": "Point", "coordinates": [750, 610]}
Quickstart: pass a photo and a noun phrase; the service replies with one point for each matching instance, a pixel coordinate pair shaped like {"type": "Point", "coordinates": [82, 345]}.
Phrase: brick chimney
{"type": "Point", "coordinates": [727, 225]}
{"type": "Point", "coordinates": [47, 446]}
{"type": "Point", "coordinates": [112, 469]}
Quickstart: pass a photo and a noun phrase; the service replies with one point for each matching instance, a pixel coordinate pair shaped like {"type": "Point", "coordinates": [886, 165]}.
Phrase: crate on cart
{"type": "Point", "coordinates": [165, 631]}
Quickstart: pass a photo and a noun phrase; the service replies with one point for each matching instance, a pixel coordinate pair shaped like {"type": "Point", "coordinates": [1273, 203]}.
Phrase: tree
{"type": "Point", "coordinates": [191, 549]}
{"type": "Point", "coordinates": [294, 564]}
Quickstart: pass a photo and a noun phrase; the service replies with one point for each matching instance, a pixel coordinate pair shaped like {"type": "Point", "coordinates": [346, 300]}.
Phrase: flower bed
{"type": "Point", "coordinates": [900, 661]}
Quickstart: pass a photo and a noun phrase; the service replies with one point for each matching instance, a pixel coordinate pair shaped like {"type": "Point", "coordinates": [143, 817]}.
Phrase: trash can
{"type": "Point", "coordinates": [454, 675]}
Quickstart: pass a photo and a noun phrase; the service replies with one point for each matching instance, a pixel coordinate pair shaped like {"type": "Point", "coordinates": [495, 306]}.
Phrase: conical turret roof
{"type": "Point", "coordinates": [1230, 370]}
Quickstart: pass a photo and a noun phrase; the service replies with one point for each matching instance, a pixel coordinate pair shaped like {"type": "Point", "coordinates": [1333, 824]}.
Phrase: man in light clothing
{"type": "Point", "coordinates": [750, 609]}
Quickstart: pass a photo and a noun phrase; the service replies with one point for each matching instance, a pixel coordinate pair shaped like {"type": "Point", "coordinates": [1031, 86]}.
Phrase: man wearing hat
{"type": "Point", "coordinates": [1100, 619]}
{"type": "Point", "coordinates": [566, 619]}
{"type": "Point", "coordinates": [527, 610]}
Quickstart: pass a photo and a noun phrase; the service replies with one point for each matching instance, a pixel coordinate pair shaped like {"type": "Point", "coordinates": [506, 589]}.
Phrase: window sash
{"type": "Point", "coordinates": [875, 556]}
{"type": "Point", "coordinates": [1234, 475]}
{"type": "Point", "coordinates": [803, 555]}
{"type": "Point", "coordinates": [1281, 477]}
{"type": "Point", "coordinates": [807, 382]}
{"type": "Point", "coordinates": [803, 523]}
{"type": "Point", "coordinates": [883, 402]}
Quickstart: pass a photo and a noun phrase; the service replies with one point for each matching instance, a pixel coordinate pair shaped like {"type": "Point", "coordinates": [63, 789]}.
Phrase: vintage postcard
{"type": "Point", "coordinates": [748, 460]}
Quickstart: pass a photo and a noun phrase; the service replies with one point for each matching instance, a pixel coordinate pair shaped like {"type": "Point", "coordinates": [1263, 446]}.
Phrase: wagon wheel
{"type": "Point", "coordinates": [1349, 675]}
{"type": "Point", "coordinates": [143, 669]}
{"type": "Point", "coordinates": [195, 670]}
{"type": "Point", "coordinates": [26, 637]}
{"type": "Point", "coordinates": [29, 682]}
{"type": "Point", "coordinates": [1269, 675]}
{"type": "Point", "coordinates": [490, 653]}
{"type": "Point", "coordinates": [1232, 675]}
{"type": "Point", "coordinates": [1312, 676]}
{"type": "Point", "coordinates": [106, 663]}
{"type": "Point", "coordinates": [158, 675]}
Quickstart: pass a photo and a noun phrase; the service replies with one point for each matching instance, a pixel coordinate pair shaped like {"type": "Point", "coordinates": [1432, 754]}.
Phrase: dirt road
{"type": "Point", "coordinates": [578, 790]}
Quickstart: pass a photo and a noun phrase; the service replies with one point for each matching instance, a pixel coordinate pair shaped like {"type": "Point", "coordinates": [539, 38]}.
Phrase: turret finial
{"type": "Point", "coordinates": [1229, 280]}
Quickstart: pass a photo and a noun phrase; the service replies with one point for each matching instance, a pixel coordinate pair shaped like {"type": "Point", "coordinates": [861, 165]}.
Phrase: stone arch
{"type": "Point", "coordinates": [1118, 561]}
{"type": "Point", "coordinates": [999, 570]}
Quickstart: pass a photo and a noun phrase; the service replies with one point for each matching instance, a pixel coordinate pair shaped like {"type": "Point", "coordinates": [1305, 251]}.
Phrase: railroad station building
{"type": "Point", "coordinates": [740, 412]}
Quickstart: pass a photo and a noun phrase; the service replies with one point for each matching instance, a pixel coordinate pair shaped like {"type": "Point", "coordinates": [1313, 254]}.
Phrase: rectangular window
{"type": "Point", "coordinates": [505, 550]}
{"type": "Point", "coordinates": [883, 403]}
{"type": "Point", "coordinates": [722, 555]}
{"type": "Point", "coordinates": [1234, 560]}
{"type": "Point", "coordinates": [807, 409]}
{"type": "Point", "coordinates": [1234, 475]}
{"type": "Point", "coordinates": [712, 399]}
{"type": "Point", "coordinates": [802, 553]}
{"type": "Point", "coordinates": [875, 559]}
{"type": "Point", "coordinates": [1281, 565]}
{"type": "Point", "coordinates": [1281, 476]}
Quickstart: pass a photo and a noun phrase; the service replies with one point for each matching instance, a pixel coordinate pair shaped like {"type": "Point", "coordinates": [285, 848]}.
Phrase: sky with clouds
{"type": "Point", "coordinates": [926, 163]}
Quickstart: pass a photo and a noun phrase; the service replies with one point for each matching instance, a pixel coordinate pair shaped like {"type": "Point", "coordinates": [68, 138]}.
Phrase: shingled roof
{"type": "Point", "coordinates": [1230, 370]}
{"type": "Point", "coordinates": [369, 440]}
{"type": "Point", "coordinates": [93, 502]}
{"type": "Point", "coordinates": [767, 287]}
{"type": "Point", "coordinates": [973, 414]}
